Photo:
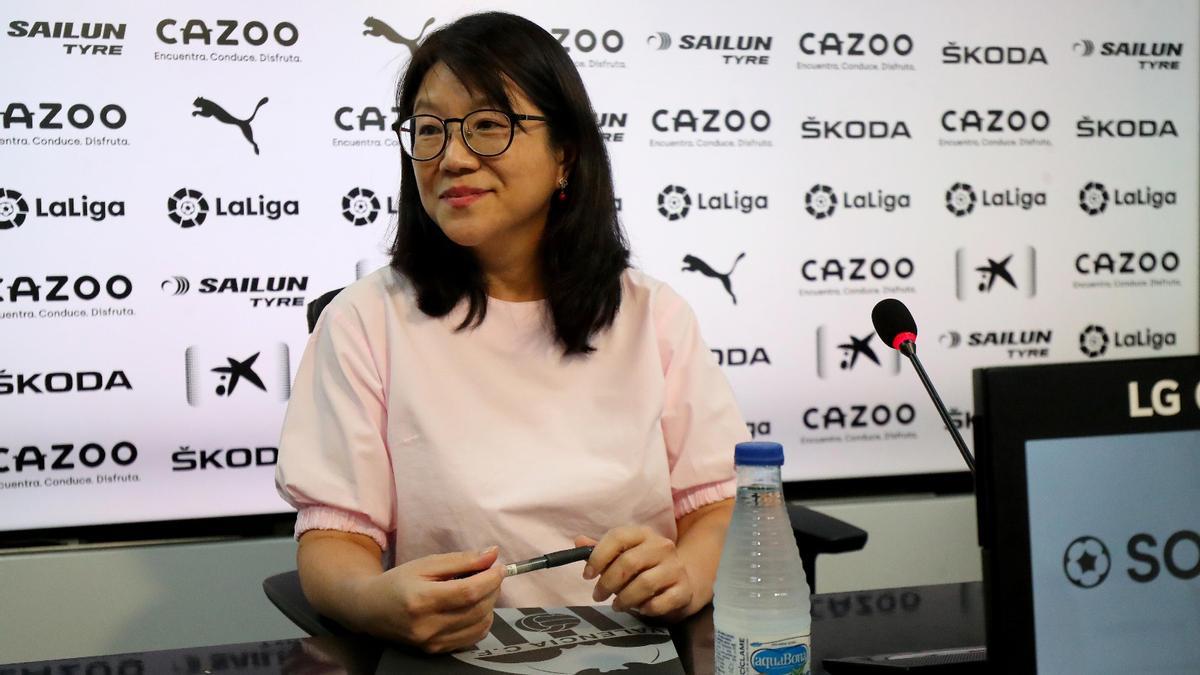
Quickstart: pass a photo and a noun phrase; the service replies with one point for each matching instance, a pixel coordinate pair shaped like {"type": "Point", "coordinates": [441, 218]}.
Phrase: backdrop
{"type": "Point", "coordinates": [177, 181]}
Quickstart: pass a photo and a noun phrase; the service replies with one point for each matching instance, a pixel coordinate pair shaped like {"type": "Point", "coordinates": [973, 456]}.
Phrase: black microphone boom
{"type": "Point", "coordinates": [895, 326]}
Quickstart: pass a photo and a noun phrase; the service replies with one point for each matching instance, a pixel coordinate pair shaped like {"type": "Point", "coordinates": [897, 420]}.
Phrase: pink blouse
{"type": "Point", "coordinates": [430, 440]}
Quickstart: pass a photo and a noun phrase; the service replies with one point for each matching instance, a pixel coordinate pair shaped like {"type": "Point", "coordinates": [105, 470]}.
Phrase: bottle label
{"type": "Point", "coordinates": [742, 656]}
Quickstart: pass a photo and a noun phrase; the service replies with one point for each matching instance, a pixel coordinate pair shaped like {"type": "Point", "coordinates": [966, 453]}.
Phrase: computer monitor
{"type": "Point", "coordinates": [1088, 490]}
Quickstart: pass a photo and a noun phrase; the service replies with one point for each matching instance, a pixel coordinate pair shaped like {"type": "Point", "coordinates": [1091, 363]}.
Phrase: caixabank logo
{"type": "Point", "coordinates": [994, 127]}
{"type": "Point", "coordinates": [189, 208]}
{"type": "Point", "coordinates": [858, 275]}
{"type": "Point", "coordinates": [996, 274]}
{"type": "Point", "coordinates": [241, 40]}
{"type": "Point", "coordinates": [63, 124]}
{"type": "Point", "coordinates": [1127, 269]}
{"type": "Point", "coordinates": [1031, 343]}
{"type": "Point", "coordinates": [258, 291]}
{"type": "Point", "coordinates": [710, 128]}
{"type": "Point", "coordinates": [856, 51]}
{"type": "Point", "coordinates": [1096, 198]}
{"type": "Point", "coordinates": [64, 296]}
{"type": "Point", "coordinates": [853, 352]}
{"type": "Point", "coordinates": [1147, 55]}
{"type": "Point", "coordinates": [963, 198]}
{"type": "Point", "coordinates": [1087, 561]}
{"type": "Point", "coordinates": [823, 201]}
{"type": "Point", "coordinates": [1096, 341]}
{"type": "Point", "coordinates": [84, 38]}
{"type": "Point", "coordinates": [17, 208]}
{"type": "Point", "coordinates": [731, 50]}
{"type": "Point", "coordinates": [674, 202]}
{"type": "Point", "coordinates": [262, 374]}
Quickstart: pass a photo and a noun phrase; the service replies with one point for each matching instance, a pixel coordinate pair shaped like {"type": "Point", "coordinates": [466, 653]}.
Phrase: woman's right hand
{"type": "Point", "coordinates": [423, 604]}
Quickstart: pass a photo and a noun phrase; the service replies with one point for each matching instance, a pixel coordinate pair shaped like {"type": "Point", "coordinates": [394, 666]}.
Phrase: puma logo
{"type": "Point", "coordinates": [380, 29]}
{"type": "Point", "coordinates": [693, 264]}
{"type": "Point", "coordinates": [207, 108]}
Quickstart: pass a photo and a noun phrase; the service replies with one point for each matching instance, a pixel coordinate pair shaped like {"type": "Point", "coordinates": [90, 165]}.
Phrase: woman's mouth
{"type": "Point", "coordinates": [460, 197]}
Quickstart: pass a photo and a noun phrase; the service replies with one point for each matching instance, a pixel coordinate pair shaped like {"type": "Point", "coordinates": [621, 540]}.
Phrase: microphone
{"type": "Point", "coordinates": [895, 326]}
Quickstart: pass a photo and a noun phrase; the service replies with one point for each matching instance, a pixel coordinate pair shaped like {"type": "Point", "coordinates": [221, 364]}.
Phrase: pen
{"type": "Point", "coordinates": [549, 560]}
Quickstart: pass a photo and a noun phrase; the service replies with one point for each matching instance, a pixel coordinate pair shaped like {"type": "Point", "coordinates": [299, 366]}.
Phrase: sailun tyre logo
{"type": "Point", "coordinates": [360, 206]}
{"type": "Point", "coordinates": [1084, 47]}
{"type": "Point", "coordinates": [820, 201]}
{"type": "Point", "coordinates": [187, 208]}
{"type": "Point", "coordinates": [1086, 562]}
{"type": "Point", "coordinates": [674, 202]}
{"type": "Point", "coordinates": [547, 623]}
{"type": "Point", "coordinates": [1093, 198]}
{"type": "Point", "coordinates": [1093, 341]}
{"type": "Point", "coordinates": [960, 199]}
{"type": "Point", "coordinates": [176, 286]}
{"type": "Point", "coordinates": [13, 209]}
{"type": "Point", "coordinates": [660, 41]}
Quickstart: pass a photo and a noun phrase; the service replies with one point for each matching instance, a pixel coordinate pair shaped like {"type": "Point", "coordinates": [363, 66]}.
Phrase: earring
{"type": "Point", "coordinates": [562, 189]}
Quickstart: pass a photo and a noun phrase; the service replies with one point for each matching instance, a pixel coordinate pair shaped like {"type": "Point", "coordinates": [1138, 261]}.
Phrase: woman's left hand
{"type": "Point", "coordinates": [642, 569]}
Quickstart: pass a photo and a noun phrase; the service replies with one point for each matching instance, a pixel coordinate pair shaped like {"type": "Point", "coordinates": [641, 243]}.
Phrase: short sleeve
{"type": "Point", "coordinates": [334, 465]}
{"type": "Point", "coordinates": [701, 422]}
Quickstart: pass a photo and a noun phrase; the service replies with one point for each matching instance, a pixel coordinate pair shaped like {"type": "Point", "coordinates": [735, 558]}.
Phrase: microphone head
{"type": "Point", "coordinates": [894, 323]}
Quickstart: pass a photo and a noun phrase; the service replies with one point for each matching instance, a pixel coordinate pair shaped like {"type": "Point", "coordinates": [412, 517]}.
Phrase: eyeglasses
{"type": "Point", "coordinates": [486, 132]}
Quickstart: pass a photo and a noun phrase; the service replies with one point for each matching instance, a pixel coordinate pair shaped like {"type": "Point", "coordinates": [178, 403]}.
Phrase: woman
{"type": "Point", "coordinates": [507, 381]}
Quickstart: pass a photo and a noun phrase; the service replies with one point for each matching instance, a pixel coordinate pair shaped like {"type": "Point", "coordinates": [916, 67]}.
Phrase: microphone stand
{"type": "Point", "coordinates": [909, 349]}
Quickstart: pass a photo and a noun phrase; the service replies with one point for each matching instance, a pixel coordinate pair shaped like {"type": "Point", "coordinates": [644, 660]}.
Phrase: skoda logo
{"type": "Point", "coordinates": [1086, 562]}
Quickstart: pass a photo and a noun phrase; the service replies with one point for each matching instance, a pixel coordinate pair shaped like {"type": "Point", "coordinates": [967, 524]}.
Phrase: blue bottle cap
{"type": "Point", "coordinates": [758, 453]}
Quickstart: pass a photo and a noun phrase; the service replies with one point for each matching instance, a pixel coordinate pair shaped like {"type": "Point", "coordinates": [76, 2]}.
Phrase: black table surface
{"type": "Point", "coordinates": [844, 624]}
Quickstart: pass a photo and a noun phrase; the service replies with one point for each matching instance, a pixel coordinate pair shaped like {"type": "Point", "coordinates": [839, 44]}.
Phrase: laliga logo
{"type": "Point", "coordinates": [960, 199]}
{"type": "Point", "coordinates": [13, 209]}
{"type": "Point", "coordinates": [674, 202]}
{"type": "Point", "coordinates": [360, 206]}
{"type": "Point", "coordinates": [820, 201]}
{"type": "Point", "coordinates": [187, 207]}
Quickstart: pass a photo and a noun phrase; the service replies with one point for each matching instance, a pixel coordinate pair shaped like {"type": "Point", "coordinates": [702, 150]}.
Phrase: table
{"type": "Point", "coordinates": [844, 624]}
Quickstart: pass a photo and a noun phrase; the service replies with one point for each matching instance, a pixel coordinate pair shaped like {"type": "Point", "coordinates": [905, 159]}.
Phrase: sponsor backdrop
{"type": "Point", "coordinates": [177, 182]}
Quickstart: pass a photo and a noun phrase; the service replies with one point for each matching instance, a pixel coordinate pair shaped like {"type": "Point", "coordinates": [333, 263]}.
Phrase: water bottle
{"type": "Point", "coordinates": [761, 605]}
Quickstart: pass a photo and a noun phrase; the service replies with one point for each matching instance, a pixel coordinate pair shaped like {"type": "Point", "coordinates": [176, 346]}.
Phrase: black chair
{"type": "Point", "coordinates": [815, 532]}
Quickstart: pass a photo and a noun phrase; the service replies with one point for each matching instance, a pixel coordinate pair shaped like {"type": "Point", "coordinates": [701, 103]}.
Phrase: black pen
{"type": "Point", "coordinates": [549, 560]}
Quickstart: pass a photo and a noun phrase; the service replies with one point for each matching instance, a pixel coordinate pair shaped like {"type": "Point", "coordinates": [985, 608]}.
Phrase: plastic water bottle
{"type": "Point", "coordinates": [761, 605]}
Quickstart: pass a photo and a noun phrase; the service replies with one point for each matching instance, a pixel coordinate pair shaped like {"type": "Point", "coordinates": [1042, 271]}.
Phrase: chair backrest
{"type": "Point", "coordinates": [314, 309]}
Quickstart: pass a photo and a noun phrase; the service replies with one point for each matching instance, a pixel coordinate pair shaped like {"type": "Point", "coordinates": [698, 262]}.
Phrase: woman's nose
{"type": "Point", "coordinates": [457, 155]}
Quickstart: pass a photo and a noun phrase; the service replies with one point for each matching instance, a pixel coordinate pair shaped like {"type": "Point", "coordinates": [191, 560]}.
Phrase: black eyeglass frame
{"type": "Point", "coordinates": [513, 118]}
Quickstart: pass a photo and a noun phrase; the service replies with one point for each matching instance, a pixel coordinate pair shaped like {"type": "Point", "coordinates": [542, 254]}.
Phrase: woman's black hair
{"type": "Point", "coordinates": [583, 251]}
